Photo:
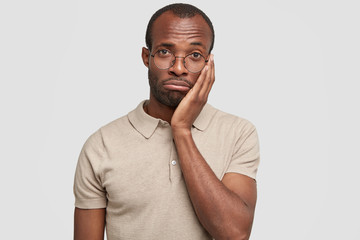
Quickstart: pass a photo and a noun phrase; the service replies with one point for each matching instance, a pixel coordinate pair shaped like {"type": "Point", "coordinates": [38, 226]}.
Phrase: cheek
{"type": "Point", "coordinates": [194, 77]}
{"type": "Point", "coordinates": [155, 77]}
{"type": "Point", "coordinates": [157, 73]}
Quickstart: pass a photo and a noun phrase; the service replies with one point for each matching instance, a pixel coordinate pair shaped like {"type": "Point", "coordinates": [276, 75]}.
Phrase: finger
{"type": "Point", "coordinates": [200, 81]}
{"type": "Point", "coordinates": [205, 84]}
{"type": "Point", "coordinates": [211, 73]}
{"type": "Point", "coordinates": [212, 77]}
{"type": "Point", "coordinates": [209, 78]}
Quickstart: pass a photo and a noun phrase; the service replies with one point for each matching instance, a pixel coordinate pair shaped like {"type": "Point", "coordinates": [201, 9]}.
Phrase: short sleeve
{"type": "Point", "coordinates": [88, 190]}
{"type": "Point", "coordinates": [246, 155]}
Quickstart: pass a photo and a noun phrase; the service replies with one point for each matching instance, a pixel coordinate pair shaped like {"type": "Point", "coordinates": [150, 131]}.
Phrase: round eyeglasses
{"type": "Point", "coordinates": [193, 62]}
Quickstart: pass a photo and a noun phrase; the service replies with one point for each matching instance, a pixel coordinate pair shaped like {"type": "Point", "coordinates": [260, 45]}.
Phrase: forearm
{"type": "Point", "coordinates": [89, 224]}
{"type": "Point", "coordinates": [222, 212]}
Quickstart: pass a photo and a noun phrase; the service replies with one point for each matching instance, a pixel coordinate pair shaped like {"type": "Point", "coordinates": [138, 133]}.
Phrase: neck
{"type": "Point", "coordinates": [158, 110]}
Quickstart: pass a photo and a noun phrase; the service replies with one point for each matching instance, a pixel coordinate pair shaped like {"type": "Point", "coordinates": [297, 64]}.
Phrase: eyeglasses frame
{"type": "Point", "coordinates": [206, 60]}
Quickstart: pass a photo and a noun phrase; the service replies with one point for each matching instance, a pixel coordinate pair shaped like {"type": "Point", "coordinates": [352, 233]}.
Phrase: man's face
{"type": "Point", "coordinates": [180, 36]}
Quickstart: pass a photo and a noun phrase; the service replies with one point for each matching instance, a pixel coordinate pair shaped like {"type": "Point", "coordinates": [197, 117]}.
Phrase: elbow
{"type": "Point", "coordinates": [237, 232]}
{"type": "Point", "coordinates": [234, 234]}
{"type": "Point", "coordinates": [242, 236]}
{"type": "Point", "coordinates": [237, 227]}
{"type": "Point", "coordinates": [239, 235]}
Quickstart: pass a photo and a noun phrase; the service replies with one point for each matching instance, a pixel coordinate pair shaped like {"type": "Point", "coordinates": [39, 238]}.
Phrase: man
{"type": "Point", "coordinates": [175, 167]}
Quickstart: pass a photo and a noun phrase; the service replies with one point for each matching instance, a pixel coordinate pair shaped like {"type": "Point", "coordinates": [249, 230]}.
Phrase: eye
{"type": "Point", "coordinates": [164, 52]}
{"type": "Point", "coordinates": [196, 55]}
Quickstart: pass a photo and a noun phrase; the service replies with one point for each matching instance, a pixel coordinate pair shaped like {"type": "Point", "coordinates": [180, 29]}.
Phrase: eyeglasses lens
{"type": "Point", "coordinates": [193, 63]}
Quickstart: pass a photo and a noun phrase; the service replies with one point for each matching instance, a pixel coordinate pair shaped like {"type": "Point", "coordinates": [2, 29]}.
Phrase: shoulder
{"type": "Point", "coordinates": [103, 135]}
{"type": "Point", "coordinates": [230, 121]}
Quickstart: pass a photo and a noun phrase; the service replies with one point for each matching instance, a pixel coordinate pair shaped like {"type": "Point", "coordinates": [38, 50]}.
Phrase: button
{"type": "Point", "coordinates": [173, 162]}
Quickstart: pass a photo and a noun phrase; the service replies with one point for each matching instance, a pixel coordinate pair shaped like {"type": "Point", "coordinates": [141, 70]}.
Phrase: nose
{"type": "Point", "coordinates": [179, 67]}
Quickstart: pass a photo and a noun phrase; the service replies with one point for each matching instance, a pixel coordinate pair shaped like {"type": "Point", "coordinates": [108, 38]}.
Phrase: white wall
{"type": "Point", "coordinates": [291, 67]}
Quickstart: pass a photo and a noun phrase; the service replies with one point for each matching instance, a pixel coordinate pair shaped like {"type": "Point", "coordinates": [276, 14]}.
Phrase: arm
{"type": "Point", "coordinates": [89, 224]}
{"type": "Point", "coordinates": [225, 208]}
{"type": "Point", "coordinates": [90, 195]}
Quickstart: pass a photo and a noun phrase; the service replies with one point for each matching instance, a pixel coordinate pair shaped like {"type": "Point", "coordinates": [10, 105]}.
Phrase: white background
{"type": "Point", "coordinates": [291, 67]}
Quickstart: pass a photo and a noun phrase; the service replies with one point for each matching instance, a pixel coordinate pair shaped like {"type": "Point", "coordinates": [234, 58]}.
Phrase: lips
{"type": "Point", "coordinates": [177, 85]}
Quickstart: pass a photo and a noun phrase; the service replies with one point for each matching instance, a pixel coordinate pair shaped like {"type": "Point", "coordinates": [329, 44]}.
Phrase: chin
{"type": "Point", "coordinates": [171, 99]}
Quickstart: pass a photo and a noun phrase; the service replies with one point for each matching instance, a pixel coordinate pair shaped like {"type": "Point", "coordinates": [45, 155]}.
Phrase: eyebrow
{"type": "Point", "coordinates": [166, 45]}
{"type": "Point", "coordinates": [171, 45]}
{"type": "Point", "coordinates": [197, 44]}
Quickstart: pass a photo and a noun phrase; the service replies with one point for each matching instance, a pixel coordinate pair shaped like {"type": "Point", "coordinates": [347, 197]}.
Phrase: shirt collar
{"type": "Point", "coordinates": [142, 122]}
{"type": "Point", "coordinates": [146, 124]}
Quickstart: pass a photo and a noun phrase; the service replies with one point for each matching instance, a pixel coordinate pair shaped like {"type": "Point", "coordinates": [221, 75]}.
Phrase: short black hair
{"type": "Point", "coordinates": [181, 10]}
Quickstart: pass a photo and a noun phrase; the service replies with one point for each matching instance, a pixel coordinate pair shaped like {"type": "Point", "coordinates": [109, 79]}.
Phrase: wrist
{"type": "Point", "coordinates": [181, 132]}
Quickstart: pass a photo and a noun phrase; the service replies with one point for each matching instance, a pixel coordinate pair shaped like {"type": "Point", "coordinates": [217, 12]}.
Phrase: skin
{"type": "Point", "coordinates": [89, 224]}
{"type": "Point", "coordinates": [225, 208]}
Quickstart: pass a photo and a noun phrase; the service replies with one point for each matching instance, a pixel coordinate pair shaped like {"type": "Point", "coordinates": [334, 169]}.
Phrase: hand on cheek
{"type": "Point", "coordinates": [192, 104]}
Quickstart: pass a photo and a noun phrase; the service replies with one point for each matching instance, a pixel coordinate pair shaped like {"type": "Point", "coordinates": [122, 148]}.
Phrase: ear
{"type": "Point", "coordinates": [145, 54]}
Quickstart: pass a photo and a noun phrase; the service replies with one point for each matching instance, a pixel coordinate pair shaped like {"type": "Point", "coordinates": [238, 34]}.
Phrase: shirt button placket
{"type": "Point", "coordinates": [175, 171]}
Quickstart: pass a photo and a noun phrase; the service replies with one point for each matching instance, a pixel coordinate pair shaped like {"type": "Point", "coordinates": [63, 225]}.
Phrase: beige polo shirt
{"type": "Point", "coordinates": [130, 167]}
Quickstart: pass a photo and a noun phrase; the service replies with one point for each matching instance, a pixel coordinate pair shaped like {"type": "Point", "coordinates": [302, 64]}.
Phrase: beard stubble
{"type": "Point", "coordinates": [168, 98]}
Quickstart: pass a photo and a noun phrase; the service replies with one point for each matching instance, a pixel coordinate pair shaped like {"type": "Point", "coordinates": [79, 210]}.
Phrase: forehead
{"type": "Point", "coordinates": [169, 28]}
